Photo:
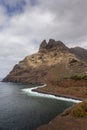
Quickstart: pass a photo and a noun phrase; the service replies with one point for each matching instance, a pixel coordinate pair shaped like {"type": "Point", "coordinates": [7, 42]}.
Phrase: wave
{"type": "Point", "coordinates": [30, 92]}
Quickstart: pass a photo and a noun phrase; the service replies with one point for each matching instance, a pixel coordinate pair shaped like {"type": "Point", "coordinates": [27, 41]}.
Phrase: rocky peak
{"type": "Point", "coordinates": [43, 45]}
{"type": "Point", "coordinates": [52, 45]}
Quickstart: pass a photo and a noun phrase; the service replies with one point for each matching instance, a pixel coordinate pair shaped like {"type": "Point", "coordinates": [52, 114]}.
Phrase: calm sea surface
{"type": "Point", "coordinates": [19, 111]}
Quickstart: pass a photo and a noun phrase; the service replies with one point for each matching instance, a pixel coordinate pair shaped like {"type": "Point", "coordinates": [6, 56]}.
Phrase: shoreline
{"type": "Point", "coordinates": [59, 95]}
{"type": "Point", "coordinates": [35, 92]}
{"type": "Point", "coordinates": [62, 121]}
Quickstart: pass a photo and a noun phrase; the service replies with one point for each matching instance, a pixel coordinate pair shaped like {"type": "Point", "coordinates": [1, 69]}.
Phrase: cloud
{"type": "Point", "coordinates": [25, 23]}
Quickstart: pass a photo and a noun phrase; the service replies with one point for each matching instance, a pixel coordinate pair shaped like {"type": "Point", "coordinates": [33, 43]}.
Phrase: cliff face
{"type": "Point", "coordinates": [53, 61]}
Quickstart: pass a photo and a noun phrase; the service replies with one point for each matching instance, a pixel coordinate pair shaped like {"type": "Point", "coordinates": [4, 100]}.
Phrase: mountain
{"type": "Point", "coordinates": [53, 61]}
{"type": "Point", "coordinates": [80, 53]}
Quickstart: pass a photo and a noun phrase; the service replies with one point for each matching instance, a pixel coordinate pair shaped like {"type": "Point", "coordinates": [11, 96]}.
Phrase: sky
{"type": "Point", "coordinates": [24, 24]}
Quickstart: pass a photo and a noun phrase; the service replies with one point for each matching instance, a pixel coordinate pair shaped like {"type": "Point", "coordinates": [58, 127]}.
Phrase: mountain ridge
{"type": "Point", "coordinates": [80, 52]}
{"type": "Point", "coordinates": [53, 58]}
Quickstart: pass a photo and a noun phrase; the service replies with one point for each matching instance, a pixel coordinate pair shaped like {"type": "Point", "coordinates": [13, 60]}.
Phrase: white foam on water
{"type": "Point", "coordinates": [29, 91]}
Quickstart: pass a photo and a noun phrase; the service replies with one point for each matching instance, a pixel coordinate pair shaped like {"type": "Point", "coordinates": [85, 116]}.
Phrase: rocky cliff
{"type": "Point", "coordinates": [52, 62]}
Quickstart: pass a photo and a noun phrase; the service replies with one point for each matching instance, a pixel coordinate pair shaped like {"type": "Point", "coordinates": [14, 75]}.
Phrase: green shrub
{"type": "Point", "coordinates": [85, 77]}
{"type": "Point", "coordinates": [80, 110]}
{"type": "Point", "coordinates": [79, 77]}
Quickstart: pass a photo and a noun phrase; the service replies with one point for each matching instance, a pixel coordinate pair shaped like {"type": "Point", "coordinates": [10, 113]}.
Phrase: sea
{"type": "Point", "coordinates": [24, 111]}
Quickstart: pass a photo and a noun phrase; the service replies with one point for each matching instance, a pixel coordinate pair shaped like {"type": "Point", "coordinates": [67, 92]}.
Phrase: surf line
{"type": "Point", "coordinates": [30, 92]}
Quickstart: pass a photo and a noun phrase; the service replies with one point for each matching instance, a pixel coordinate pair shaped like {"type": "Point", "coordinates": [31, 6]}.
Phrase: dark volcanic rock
{"type": "Point", "coordinates": [43, 46]}
{"type": "Point", "coordinates": [52, 45]}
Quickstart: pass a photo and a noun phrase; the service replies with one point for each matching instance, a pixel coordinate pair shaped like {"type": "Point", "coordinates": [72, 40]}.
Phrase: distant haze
{"type": "Point", "coordinates": [25, 23]}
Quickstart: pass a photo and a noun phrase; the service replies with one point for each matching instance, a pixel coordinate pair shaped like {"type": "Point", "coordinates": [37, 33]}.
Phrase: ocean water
{"type": "Point", "coordinates": [22, 111]}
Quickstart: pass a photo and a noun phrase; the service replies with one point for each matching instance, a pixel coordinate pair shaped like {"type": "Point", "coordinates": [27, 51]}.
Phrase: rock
{"type": "Point", "coordinates": [43, 46]}
{"type": "Point", "coordinates": [52, 45]}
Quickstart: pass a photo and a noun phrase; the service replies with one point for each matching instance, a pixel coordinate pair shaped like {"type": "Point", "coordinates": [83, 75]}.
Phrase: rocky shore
{"type": "Point", "coordinates": [67, 121]}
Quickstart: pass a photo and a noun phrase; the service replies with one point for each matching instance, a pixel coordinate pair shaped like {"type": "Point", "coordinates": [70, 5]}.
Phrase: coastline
{"type": "Point", "coordinates": [37, 91]}
{"type": "Point", "coordinates": [57, 122]}
{"type": "Point", "coordinates": [58, 95]}
{"type": "Point", "coordinates": [76, 89]}
{"type": "Point", "coordinates": [62, 122]}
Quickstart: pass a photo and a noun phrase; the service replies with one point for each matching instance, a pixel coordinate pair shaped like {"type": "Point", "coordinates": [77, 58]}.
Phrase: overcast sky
{"type": "Point", "coordinates": [25, 23]}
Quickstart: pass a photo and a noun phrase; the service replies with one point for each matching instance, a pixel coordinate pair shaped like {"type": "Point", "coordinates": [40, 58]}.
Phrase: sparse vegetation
{"type": "Point", "coordinates": [79, 110]}
{"type": "Point", "coordinates": [79, 77]}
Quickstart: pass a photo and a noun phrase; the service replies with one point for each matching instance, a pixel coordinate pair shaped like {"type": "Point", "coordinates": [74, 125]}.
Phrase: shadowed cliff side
{"type": "Point", "coordinates": [80, 52]}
